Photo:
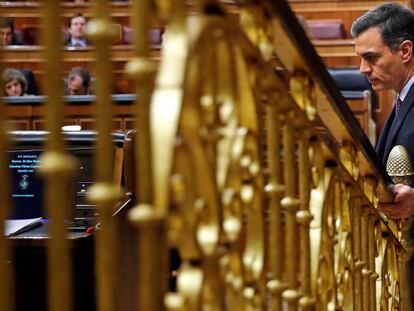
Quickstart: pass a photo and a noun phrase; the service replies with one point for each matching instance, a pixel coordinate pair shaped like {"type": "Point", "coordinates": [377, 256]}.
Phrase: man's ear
{"type": "Point", "coordinates": [406, 50]}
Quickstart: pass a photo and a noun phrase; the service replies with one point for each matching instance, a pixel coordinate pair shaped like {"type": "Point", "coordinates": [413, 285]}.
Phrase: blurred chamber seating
{"type": "Point", "coordinates": [326, 29]}
{"type": "Point", "coordinates": [360, 96]}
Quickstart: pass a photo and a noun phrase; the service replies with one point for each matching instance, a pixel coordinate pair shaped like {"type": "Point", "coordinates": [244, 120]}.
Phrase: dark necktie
{"type": "Point", "coordinates": [394, 123]}
{"type": "Point", "coordinates": [397, 105]}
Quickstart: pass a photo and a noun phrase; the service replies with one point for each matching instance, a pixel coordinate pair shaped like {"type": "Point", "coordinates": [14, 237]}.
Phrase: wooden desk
{"type": "Point", "coordinates": [31, 57]}
{"type": "Point", "coordinates": [26, 113]}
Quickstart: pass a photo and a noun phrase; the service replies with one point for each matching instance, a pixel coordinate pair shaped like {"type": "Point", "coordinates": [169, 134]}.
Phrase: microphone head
{"type": "Point", "coordinates": [399, 165]}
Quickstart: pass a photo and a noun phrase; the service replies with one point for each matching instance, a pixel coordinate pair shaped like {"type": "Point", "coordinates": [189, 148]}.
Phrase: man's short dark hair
{"type": "Point", "coordinates": [394, 21]}
{"type": "Point", "coordinates": [75, 16]}
{"type": "Point", "coordinates": [7, 22]}
{"type": "Point", "coordinates": [81, 72]}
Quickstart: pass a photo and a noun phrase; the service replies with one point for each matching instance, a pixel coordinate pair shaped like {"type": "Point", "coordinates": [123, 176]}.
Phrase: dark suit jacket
{"type": "Point", "coordinates": [68, 42]}
{"type": "Point", "coordinates": [401, 133]}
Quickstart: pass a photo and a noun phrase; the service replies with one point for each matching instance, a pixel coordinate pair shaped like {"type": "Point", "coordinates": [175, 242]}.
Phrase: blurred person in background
{"type": "Point", "coordinates": [14, 82]}
{"type": "Point", "coordinates": [78, 82]}
{"type": "Point", "coordinates": [77, 31]}
{"type": "Point", "coordinates": [7, 35]}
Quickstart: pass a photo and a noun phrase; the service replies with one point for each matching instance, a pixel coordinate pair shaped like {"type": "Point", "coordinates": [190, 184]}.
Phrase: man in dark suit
{"type": "Point", "coordinates": [7, 34]}
{"type": "Point", "coordinates": [384, 39]}
{"type": "Point", "coordinates": [77, 31]}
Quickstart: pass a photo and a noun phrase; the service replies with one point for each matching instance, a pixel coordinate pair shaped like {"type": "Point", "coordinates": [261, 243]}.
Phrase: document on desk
{"type": "Point", "coordinates": [16, 226]}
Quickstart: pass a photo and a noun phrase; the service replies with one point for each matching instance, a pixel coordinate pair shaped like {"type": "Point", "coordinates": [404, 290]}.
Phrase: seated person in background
{"type": "Point", "coordinates": [78, 82]}
{"type": "Point", "coordinates": [14, 82]}
{"type": "Point", "coordinates": [7, 35]}
{"type": "Point", "coordinates": [77, 31]}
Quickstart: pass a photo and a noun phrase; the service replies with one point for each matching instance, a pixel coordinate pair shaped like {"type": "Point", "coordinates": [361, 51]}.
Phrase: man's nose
{"type": "Point", "coordinates": [364, 67]}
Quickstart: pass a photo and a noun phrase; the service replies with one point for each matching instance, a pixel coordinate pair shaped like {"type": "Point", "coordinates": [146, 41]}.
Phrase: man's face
{"type": "Point", "coordinates": [384, 69]}
{"type": "Point", "coordinates": [6, 36]}
{"type": "Point", "coordinates": [75, 86]}
{"type": "Point", "coordinates": [77, 27]}
{"type": "Point", "coordinates": [13, 88]}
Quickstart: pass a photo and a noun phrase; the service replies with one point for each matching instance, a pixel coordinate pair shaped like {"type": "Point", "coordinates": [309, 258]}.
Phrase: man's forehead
{"type": "Point", "coordinates": [78, 19]}
{"type": "Point", "coordinates": [5, 29]}
{"type": "Point", "coordinates": [370, 41]}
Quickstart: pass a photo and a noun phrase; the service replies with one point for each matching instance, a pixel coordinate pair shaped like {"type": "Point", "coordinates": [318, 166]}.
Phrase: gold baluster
{"type": "Point", "coordinates": [366, 272]}
{"type": "Point", "coordinates": [104, 193]}
{"type": "Point", "coordinates": [152, 249]}
{"type": "Point", "coordinates": [6, 265]}
{"type": "Point", "coordinates": [142, 70]}
{"type": "Point", "coordinates": [290, 203]}
{"type": "Point", "coordinates": [304, 217]}
{"type": "Point", "coordinates": [56, 166]}
{"type": "Point", "coordinates": [357, 261]}
{"type": "Point", "coordinates": [371, 261]}
{"type": "Point", "coordinates": [275, 190]}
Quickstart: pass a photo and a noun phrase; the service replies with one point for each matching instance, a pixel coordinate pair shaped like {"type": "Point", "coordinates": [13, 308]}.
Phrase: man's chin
{"type": "Point", "coordinates": [377, 86]}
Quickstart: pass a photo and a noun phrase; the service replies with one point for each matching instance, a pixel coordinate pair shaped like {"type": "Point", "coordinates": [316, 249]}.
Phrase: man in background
{"type": "Point", "coordinates": [77, 31]}
{"type": "Point", "coordinates": [7, 35]}
{"type": "Point", "coordinates": [78, 82]}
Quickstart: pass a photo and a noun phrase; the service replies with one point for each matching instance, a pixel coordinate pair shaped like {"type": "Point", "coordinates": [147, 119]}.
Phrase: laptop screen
{"type": "Point", "coordinates": [26, 187]}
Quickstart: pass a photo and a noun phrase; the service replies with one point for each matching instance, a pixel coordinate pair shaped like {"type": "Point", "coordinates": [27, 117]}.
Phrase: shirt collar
{"type": "Point", "coordinates": [406, 88]}
{"type": "Point", "coordinates": [82, 42]}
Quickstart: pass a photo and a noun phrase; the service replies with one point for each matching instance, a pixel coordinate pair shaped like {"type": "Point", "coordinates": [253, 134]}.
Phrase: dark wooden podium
{"type": "Point", "coordinates": [29, 249]}
{"type": "Point", "coordinates": [30, 275]}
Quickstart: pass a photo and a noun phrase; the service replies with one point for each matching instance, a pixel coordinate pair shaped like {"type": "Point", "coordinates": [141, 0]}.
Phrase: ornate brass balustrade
{"type": "Point", "coordinates": [259, 176]}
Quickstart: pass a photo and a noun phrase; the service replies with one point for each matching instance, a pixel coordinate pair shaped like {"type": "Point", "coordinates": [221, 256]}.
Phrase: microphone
{"type": "Point", "coordinates": [399, 166]}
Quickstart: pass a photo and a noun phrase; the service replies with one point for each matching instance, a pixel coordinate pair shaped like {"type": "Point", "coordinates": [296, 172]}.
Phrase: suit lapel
{"type": "Point", "coordinates": [380, 147]}
{"type": "Point", "coordinates": [398, 121]}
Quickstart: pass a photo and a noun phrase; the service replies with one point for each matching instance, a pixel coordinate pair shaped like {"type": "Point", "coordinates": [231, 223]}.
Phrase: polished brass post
{"type": "Point", "coordinates": [304, 217]}
{"type": "Point", "coordinates": [357, 260]}
{"type": "Point", "coordinates": [152, 254]}
{"type": "Point", "coordinates": [274, 190]}
{"type": "Point", "coordinates": [366, 272]}
{"type": "Point", "coordinates": [290, 203]}
{"type": "Point", "coordinates": [56, 166]}
{"type": "Point", "coordinates": [104, 193]}
{"type": "Point", "coordinates": [142, 70]}
{"type": "Point", "coordinates": [166, 102]}
{"type": "Point", "coordinates": [371, 262]}
{"type": "Point", "coordinates": [6, 266]}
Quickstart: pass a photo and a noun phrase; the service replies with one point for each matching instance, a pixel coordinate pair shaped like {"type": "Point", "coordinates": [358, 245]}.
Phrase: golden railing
{"type": "Point", "coordinates": [248, 162]}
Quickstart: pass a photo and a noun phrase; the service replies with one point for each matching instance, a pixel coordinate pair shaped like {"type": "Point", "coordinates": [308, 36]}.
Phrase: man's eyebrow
{"type": "Point", "coordinates": [368, 54]}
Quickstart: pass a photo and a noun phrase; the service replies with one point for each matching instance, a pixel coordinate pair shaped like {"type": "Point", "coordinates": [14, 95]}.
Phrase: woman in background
{"type": "Point", "coordinates": [14, 82]}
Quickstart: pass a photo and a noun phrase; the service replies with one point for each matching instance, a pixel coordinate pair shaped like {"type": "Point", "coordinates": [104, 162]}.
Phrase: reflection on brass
{"type": "Point", "coordinates": [399, 165]}
{"type": "Point", "coordinates": [349, 159]}
{"type": "Point", "coordinates": [303, 92]}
